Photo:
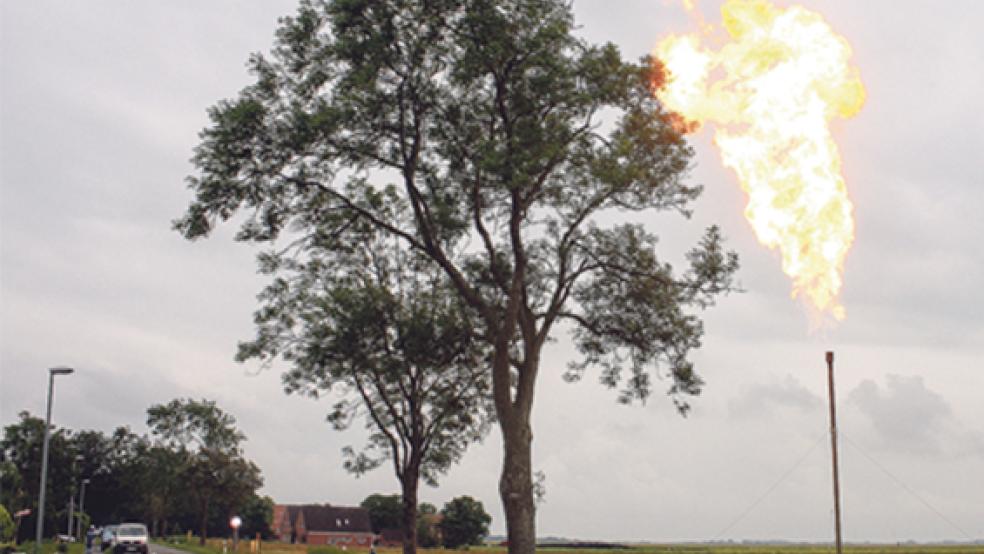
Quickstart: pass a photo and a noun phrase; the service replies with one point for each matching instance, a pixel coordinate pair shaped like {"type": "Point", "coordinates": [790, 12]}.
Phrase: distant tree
{"type": "Point", "coordinates": [428, 533]}
{"type": "Point", "coordinates": [217, 475]}
{"type": "Point", "coordinates": [158, 476]}
{"type": "Point", "coordinates": [514, 145]}
{"type": "Point", "coordinates": [257, 514]}
{"type": "Point", "coordinates": [385, 511]}
{"type": "Point", "coordinates": [118, 490]}
{"type": "Point", "coordinates": [107, 461]}
{"type": "Point", "coordinates": [189, 423]}
{"type": "Point", "coordinates": [464, 521]}
{"type": "Point", "coordinates": [130, 476]}
{"type": "Point", "coordinates": [111, 463]}
{"type": "Point", "coordinates": [10, 482]}
{"type": "Point", "coordinates": [21, 446]}
{"type": "Point", "coordinates": [383, 328]}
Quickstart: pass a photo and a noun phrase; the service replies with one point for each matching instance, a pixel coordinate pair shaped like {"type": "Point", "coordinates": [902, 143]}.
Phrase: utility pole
{"type": "Point", "coordinates": [833, 449]}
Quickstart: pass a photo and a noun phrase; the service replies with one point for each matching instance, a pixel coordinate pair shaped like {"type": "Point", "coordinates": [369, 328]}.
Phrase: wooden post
{"type": "Point", "coordinates": [833, 449]}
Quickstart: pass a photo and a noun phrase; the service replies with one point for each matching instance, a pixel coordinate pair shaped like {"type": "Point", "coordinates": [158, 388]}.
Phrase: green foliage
{"type": "Point", "coordinates": [488, 114]}
{"type": "Point", "coordinates": [257, 514]}
{"type": "Point", "coordinates": [6, 525]}
{"type": "Point", "coordinates": [10, 481]}
{"type": "Point", "coordinates": [212, 467]}
{"type": "Point", "coordinates": [464, 522]}
{"type": "Point", "coordinates": [385, 511]}
{"type": "Point", "coordinates": [384, 326]}
{"type": "Point", "coordinates": [130, 477]}
{"type": "Point", "coordinates": [482, 142]}
{"type": "Point", "coordinates": [198, 424]}
{"type": "Point", "coordinates": [21, 447]}
{"type": "Point", "coordinates": [428, 532]}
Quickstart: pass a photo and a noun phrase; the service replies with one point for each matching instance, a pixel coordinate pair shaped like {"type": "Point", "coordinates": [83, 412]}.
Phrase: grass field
{"type": "Point", "coordinates": [47, 547]}
{"type": "Point", "coordinates": [215, 547]}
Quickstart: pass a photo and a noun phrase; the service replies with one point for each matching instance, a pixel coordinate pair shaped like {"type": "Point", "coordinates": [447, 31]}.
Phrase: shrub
{"type": "Point", "coordinates": [6, 525]}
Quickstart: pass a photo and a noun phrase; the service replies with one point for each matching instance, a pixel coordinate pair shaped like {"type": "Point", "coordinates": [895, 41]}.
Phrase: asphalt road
{"type": "Point", "coordinates": [161, 549]}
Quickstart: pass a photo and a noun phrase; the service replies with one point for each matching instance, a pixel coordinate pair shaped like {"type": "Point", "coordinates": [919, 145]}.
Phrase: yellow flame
{"type": "Point", "coordinates": [771, 91]}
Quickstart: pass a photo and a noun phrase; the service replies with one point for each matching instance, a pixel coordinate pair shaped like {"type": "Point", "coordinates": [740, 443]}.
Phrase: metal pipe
{"type": "Point", "coordinates": [833, 449]}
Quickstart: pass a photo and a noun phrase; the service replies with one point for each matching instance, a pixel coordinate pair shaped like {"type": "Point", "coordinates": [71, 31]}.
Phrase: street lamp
{"type": "Point", "coordinates": [82, 506]}
{"type": "Point", "coordinates": [39, 528]}
{"type": "Point", "coordinates": [235, 523]}
{"type": "Point", "coordinates": [71, 497]}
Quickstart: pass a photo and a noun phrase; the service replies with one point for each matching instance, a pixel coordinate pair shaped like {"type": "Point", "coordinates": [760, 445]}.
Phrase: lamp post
{"type": "Point", "coordinates": [235, 523]}
{"type": "Point", "coordinates": [71, 497]}
{"type": "Point", "coordinates": [39, 528]}
{"type": "Point", "coordinates": [82, 506]}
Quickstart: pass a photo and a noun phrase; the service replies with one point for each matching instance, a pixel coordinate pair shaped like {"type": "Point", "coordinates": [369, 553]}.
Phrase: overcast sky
{"type": "Point", "coordinates": [100, 106]}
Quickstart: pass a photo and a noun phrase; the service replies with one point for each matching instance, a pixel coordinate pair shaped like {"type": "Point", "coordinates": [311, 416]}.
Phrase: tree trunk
{"type": "Point", "coordinates": [410, 480]}
{"type": "Point", "coordinates": [516, 483]}
{"type": "Point", "coordinates": [204, 523]}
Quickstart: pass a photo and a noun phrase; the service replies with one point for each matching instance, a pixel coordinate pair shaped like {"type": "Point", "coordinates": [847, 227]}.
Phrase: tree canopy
{"type": "Point", "coordinates": [464, 521]}
{"type": "Point", "coordinates": [130, 477]}
{"type": "Point", "coordinates": [380, 329]}
{"type": "Point", "coordinates": [194, 424]}
{"type": "Point", "coordinates": [216, 471]}
{"type": "Point", "coordinates": [385, 511]}
{"type": "Point", "coordinates": [490, 140]}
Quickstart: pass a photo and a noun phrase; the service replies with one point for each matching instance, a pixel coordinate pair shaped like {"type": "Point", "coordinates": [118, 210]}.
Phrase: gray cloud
{"type": "Point", "coordinates": [762, 400]}
{"type": "Point", "coordinates": [906, 415]}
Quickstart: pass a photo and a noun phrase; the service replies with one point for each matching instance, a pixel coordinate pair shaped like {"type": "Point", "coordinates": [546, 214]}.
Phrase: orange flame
{"type": "Point", "coordinates": [771, 91]}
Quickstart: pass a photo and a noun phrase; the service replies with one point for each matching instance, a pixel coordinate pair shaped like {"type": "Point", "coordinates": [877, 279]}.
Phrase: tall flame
{"type": "Point", "coordinates": [771, 91]}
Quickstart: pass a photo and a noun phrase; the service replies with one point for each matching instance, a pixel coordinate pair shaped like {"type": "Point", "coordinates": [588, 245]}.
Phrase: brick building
{"type": "Point", "coordinates": [322, 524]}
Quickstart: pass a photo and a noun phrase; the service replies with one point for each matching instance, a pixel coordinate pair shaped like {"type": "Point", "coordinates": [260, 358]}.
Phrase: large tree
{"type": "Point", "coordinates": [379, 325]}
{"type": "Point", "coordinates": [216, 472]}
{"type": "Point", "coordinates": [513, 144]}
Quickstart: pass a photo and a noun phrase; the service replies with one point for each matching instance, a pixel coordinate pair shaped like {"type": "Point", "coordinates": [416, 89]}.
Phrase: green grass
{"type": "Point", "coordinates": [50, 547]}
{"type": "Point", "coordinates": [779, 549]}
{"type": "Point", "coordinates": [193, 548]}
{"type": "Point", "coordinates": [737, 549]}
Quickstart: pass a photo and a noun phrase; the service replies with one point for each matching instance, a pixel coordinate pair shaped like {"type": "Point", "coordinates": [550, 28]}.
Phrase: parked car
{"type": "Point", "coordinates": [108, 537]}
{"type": "Point", "coordinates": [131, 538]}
